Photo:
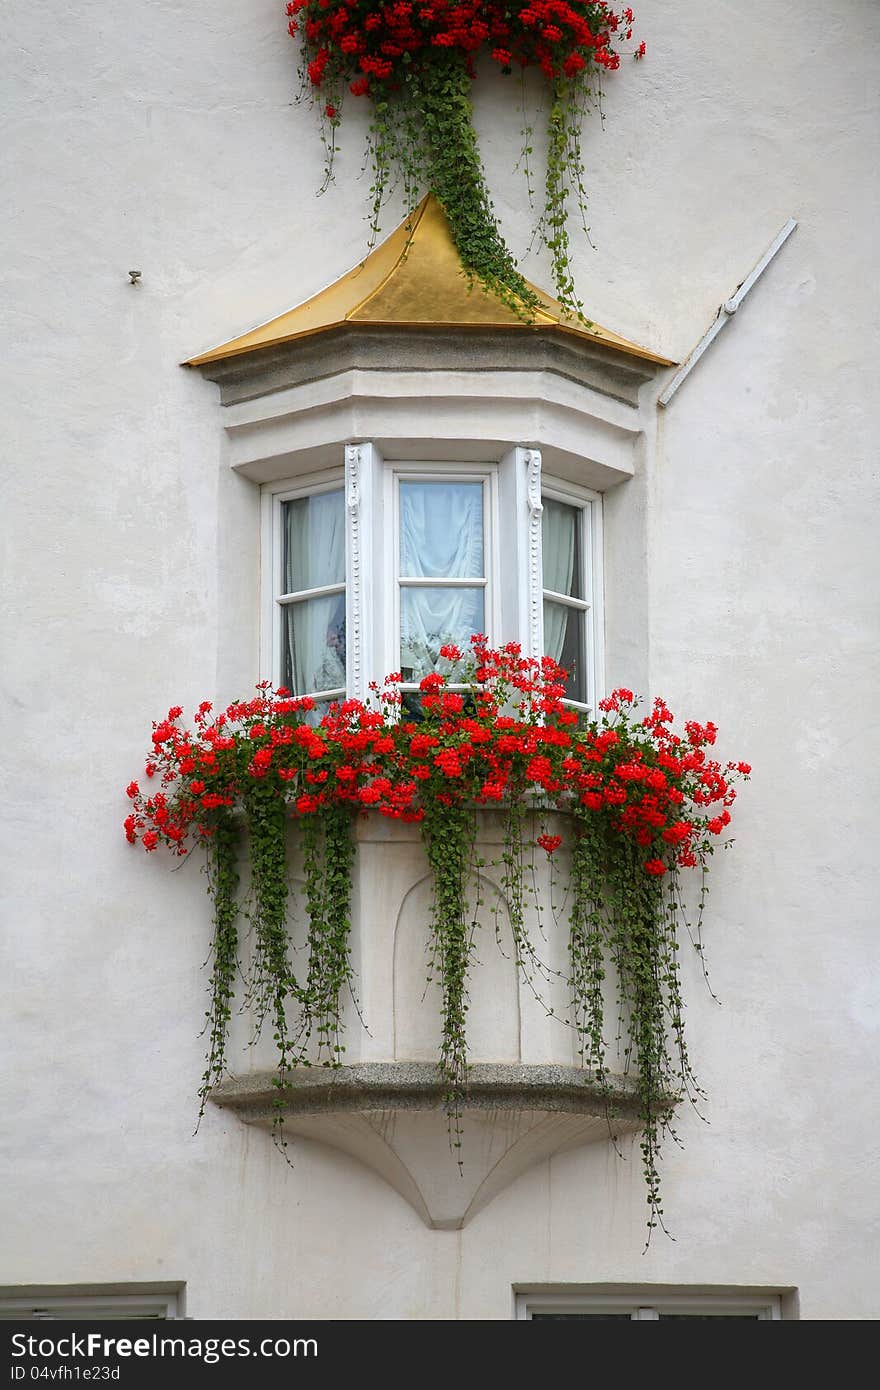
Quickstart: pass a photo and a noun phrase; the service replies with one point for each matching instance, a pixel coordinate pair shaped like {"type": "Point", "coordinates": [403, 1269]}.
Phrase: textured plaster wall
{"type": "Point", "coordinates": [167, 140]}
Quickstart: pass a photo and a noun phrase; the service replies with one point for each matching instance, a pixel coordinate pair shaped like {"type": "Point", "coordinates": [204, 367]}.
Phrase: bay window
{"type": "Point", "coordinates": [376, 567]}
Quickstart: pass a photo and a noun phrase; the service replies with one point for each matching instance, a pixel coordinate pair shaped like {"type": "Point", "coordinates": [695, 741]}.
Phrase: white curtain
{"type": "Point", "coordinates": [313, 631]}
{"type": "Point", "coordinates": [441, 536]}
{"type": "Point", "coordinates": [558, 543]}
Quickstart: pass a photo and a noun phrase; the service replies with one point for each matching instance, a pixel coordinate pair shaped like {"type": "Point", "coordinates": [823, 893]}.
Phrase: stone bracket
{"type": "Point", "coordinates": [391, 1116]}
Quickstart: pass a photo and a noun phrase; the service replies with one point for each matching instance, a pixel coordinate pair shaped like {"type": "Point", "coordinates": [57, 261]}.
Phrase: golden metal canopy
{"type": "Point", "coordinates": [415, 279]}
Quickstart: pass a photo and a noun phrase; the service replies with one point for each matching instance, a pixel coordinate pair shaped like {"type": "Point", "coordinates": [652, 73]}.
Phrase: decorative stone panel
{"type": "Point", "coordinates": [527, 1096]}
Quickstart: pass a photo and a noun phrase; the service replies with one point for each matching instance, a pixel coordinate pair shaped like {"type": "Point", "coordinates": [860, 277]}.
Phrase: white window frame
{"type": "Point", "coordinates": [589, 505]}
{"type": "Point", "coordinates": [92, 1306]}
{"type": "Point", "coordinates": [394, 474]}
{"type": "Point", "coordinates": [514, 581]}
{"type": "Point", "coordinates": [644, 1305]}
{"type": "Point", "coordinates": [274, 495]}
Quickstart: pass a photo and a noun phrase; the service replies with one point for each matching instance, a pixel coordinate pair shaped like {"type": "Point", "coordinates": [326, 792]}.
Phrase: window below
{"type": "Point", "coordinates": [375, 568]}
{"type": "Point", "coordinates": [647, 1306]}
{"type": "Point", "coordinates": [91, 1303]}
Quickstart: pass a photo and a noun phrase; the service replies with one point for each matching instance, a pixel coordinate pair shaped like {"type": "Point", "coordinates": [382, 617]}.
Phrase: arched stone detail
{"type": "Point", "coordinates": [494, 1026]}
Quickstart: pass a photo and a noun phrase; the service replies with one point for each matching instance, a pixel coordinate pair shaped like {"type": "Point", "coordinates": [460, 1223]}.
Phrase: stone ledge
{"type": "Point", "coordinates": [420, 1086]}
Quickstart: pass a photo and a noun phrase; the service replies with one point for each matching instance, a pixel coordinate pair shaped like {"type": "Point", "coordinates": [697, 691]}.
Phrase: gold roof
{"type": "Point", "coordinates": [414, 279]}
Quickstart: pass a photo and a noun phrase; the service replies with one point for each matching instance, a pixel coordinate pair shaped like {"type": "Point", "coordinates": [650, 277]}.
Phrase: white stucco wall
{"type": "Point", "coordinates": [165, 139]}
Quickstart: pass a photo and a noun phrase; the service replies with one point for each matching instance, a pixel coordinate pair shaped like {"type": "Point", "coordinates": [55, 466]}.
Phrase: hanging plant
{"type": "Point", "coordinates": [643, 805]}
{"type": "Point", "coordinates": [415, 61]}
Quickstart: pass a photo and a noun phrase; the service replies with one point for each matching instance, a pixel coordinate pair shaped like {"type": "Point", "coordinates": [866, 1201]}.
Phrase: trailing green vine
{"type": "Point", "coordinates": [328, 852]}
{"type": "Point", "coordinates": [222, 851]}
{"type": "Point", "coordinates": [564, 167]}
{"type": "Point", "coordinates": [588, 936]}
{"type": "Point", "coordinates": [272, 980]}
{"type": "Point", "coordinates": [449, 833]}
{"type": "Point", "coordinates": [451, 167]}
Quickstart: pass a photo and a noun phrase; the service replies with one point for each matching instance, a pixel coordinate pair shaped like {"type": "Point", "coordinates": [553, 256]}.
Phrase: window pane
{"type": "Point", "coordinates": [561, 539]}
{"type": "Point", "coordinates": [441, 530]}
{"type": "Point", "coordinates": [313, 645]}
{"type": "Point", "coordinates": [313, 541]}
{"type": "Point", "coordinates": [429, 618]}
{"type": "Point", "coordinates": [565, 641]}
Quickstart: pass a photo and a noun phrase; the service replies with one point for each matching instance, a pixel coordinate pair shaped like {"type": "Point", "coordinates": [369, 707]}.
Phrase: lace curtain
{"type": "Point", "coordinates": [441, 536]}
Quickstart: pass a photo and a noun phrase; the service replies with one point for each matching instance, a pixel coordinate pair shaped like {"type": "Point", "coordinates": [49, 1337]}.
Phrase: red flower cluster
{"type": "Point", "coordinates": [368, 44]}
{"type": "Point", "coordinates": [503, 733]}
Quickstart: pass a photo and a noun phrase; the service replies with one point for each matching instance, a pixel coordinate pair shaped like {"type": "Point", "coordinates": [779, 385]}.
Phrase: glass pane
{"type": "Point", "coordinates": [429, 618]}
{"type": "Point", "coordinates": [565, 640]}
{"type": "Point", "coordinates": [441, 530]}
{"type": "Point", "coordinates": [561, 541]}
{"type": "Point", "coordinates": [313, 542]}
{"type": "Point", "coordinates": [313, 645]}
{"type": "Point", "coordinates": [704, 1317]}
